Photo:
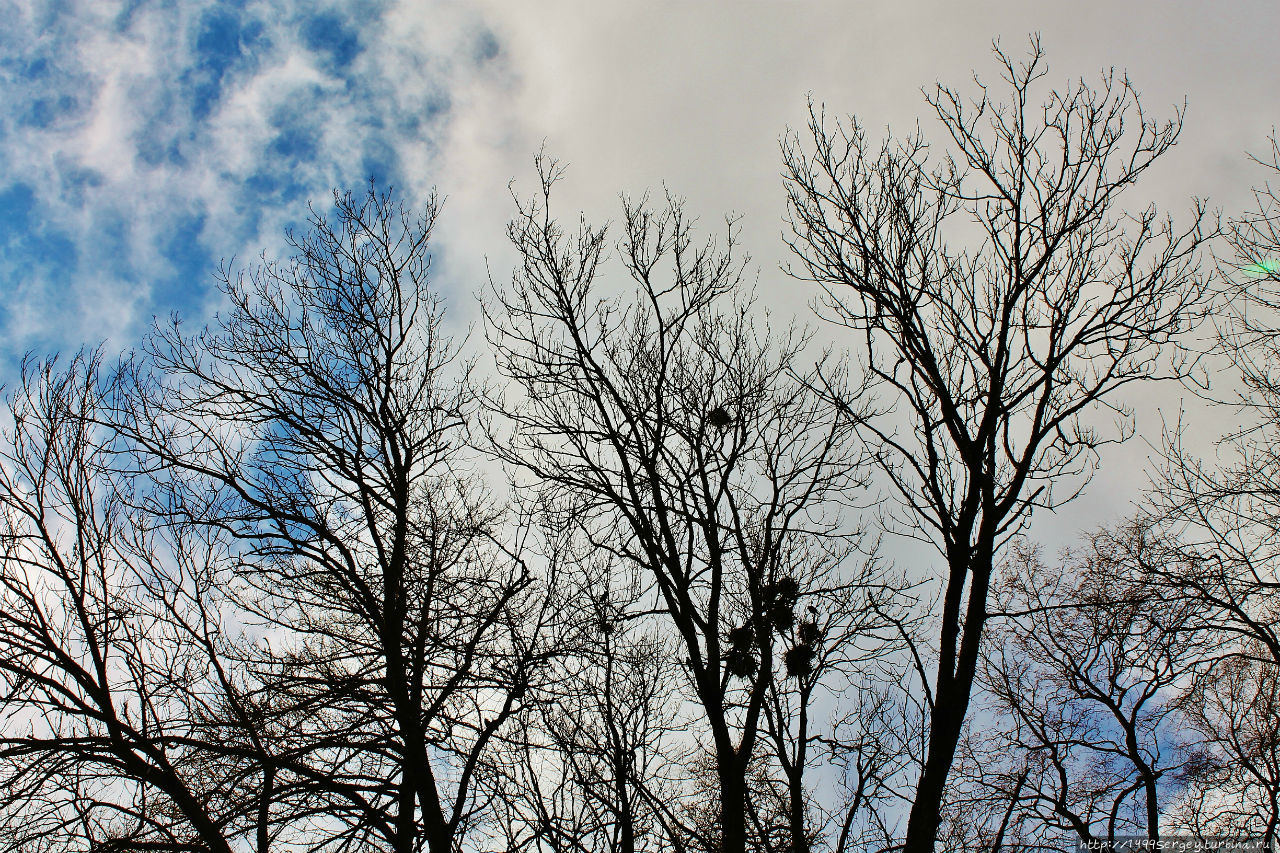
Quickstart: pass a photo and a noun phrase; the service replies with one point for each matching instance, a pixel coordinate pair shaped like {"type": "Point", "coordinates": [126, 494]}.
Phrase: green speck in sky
{"type": "Point", "coordinates": [1267, 267]}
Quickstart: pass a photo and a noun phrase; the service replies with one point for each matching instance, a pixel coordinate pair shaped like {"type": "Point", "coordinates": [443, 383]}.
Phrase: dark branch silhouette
{"type": "Point", "coordinates": [321, 422]}
{"type": "Point", "coordinates": [685, 442]}
{"type": "Point", "coordinates": [996, 354]}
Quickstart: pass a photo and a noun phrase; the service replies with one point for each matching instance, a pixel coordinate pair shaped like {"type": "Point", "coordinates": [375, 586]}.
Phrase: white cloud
{"type": "Point", "coordinates": [199, 123]}
{"type": "Point", "coordinates": [696, 95]}
{"type": "Point", "coordinates": [460, 95]}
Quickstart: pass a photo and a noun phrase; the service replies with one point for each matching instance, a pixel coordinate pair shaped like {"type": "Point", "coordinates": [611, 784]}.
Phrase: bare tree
{"type": "Point", "coordinates": [596, 763]}
{"type": "Point", "coordinates": [321, 423]}
{"type": "Point", "coordinates": [1225, 565]}
{"type": "Point", "coordinates": [687, 444]}
{"type": "Point", "coordinates": [870, 749]}
{"type": "Point", "coordinates": [1086, 669]}
{"type": "Point", "coordinates": [850, 642]}
{"type": "Point", "coordinates": [993, 356]}
{"type": "Point", "coordinates": [1224, 568]}
{"type": "Point", "coordinates": [113, 680]}
{"type": "Point", "coordinates": [1224, 516]}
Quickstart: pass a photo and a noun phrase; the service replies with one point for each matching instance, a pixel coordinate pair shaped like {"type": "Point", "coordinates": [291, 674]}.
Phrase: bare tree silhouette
{"type": "Point", "coordinates": [321, 423]}
{"type": "Point", "coordinates": [255, 592]}
{"type": "Point", "coordinates": [119, 724]}
{"type": "Point", "coordinates": [598, 764]}
{"type": "Point", "coordinates": [686, 443]}
{"type": "Point", "coordinates": [993, 355]}
{"type": "Point", "coordinates": [1087, 667]}
{"type": "Point", "coordinates": [1223, 513]}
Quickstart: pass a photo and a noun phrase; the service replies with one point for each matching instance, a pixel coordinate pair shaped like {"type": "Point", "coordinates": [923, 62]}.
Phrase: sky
{"type": "Point", "coordinates": [141, 143]}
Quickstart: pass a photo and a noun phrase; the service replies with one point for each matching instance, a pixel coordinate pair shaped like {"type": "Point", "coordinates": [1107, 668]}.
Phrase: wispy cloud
{"type": "Point", "coordinates": [140, 142]}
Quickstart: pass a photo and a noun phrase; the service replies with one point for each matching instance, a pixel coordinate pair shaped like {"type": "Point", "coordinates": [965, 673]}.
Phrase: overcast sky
{"type": "Point", "coordinates": [141, 142]}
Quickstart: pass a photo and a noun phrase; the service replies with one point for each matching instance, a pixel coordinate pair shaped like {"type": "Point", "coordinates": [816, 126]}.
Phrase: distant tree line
{"type": "Point", "coordinates": [312, 578]}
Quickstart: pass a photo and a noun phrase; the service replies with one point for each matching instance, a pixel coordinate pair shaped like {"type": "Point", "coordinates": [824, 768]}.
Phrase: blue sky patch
{"type": "Point", "coordinates": [142, 143]}
{"type": "Point", "coordinates": [74, 181]}
{"type": "Point", "coordinates": [487, 47]}
{"type": "Point", "coordinates": [295, 143]}
{"type": "Point", "coordinates": [224, 42]}
{"type": "Point", "coordinates": [31, 249]}
{"type": "Point", "coordinates": [193, 266]}
{"type": "Point", "coordinates": [379, 160]}
{"type": "Point", "coordinates": [16, 204]}
{"type": "Point", "coordinates": [43, 112]}
{"type": "Point", "coordinates": [332, 38]}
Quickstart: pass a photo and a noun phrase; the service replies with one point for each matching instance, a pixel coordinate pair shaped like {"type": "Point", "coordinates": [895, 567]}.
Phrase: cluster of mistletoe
{"type": "Point", "coordinates": [777, 615]}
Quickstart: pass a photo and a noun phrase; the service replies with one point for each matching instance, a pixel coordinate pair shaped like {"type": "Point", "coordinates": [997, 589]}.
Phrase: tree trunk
{"type": "Point", "coordinates": [264, 808]}
{"type": "Point", "coordinates": [951, 703]}
{"type": "Point", "coordinates": [733, 808]}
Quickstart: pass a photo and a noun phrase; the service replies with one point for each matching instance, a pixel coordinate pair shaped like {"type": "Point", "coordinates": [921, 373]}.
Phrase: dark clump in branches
{"type": "Point", "coordinates": [686, 442]}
